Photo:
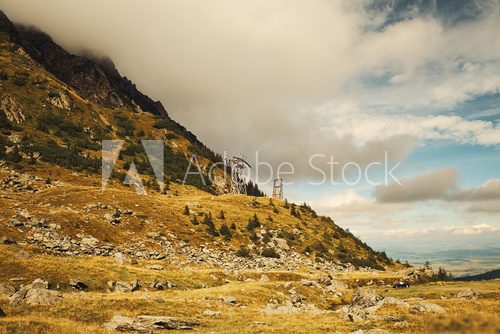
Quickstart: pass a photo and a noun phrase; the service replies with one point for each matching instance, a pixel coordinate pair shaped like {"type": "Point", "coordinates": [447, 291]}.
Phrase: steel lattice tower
{"type": "Point", "coordinates": [278, 188]}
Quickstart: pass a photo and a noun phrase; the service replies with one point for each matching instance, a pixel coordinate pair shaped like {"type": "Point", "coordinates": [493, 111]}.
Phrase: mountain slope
{"type": "Point", "coordinates": [57, 108]}
{"type": "Point", "coordinates": [489, 275]}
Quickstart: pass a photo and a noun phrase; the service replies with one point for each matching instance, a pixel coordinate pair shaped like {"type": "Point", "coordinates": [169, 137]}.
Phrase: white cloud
{"type": "Point", "coordinates": [347, 120]}
{"type": "Point", "coordinates": [239, 70]}
{"type": "Point", "coordinates": [467, 230]}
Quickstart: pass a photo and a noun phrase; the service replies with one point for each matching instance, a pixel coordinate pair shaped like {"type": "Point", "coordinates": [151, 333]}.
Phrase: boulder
{"type": "Point", "coordinates": [36, 293]}
{"type": "Point", "coordinates": [144, 323]}
{"type": "Point", "coordinates": [281, 243]}
{"type": "Point", "coordinates": [365, 297]}
{"type": "Point", "coordinates": [468, 294]}
{"type": "Point", "coordinates": [264, 278]}
{"type": "Point", "coordinates": [364, 303]}
{"type": "Point", "coordinates": [42, 297]}
{"type": "Point", "coordinates": [121, 286]}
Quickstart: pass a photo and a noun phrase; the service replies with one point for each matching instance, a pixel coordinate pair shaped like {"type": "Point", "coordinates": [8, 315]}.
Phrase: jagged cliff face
{"type": "Point", "coordinates": [101, 83]}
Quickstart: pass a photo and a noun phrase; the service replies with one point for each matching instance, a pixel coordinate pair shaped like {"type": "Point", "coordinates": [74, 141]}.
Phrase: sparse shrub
{"type": "Point", "coordinates": [270, 252]}
{"type": "Point", "coordinates": [243, 252]}
{"type": "Point", "coordinates": [186, 210]}
{"type": "Point", "coordinates": [125, 125]}
{"type": "Point", "coordinates": [221, 215]}
{"type": "Point", "coordinates": [171, 136]}
{"type": "Point", "coordinates": [270, 219]}
{"type": "Point", "coordinates": [233, 226]}
{"type": "Point", "coordinates": [3, 75]}
{"type": "Point", "coordinates": [275, 210]}
{"type": "Point", "coordinates": [20, 79]}
{"type": "Point", "coordinates": [286, 205]}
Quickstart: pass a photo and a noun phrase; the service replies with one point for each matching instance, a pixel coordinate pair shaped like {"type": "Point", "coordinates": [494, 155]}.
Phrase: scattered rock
{"type": "Point", "coordinates": [145, 323]}
{"type": "Point", "coordinates": [264, 278]}
{"type": "Point", "coordinates": [156, 267]}
{"type": "Point", "coordinates": [209, 313]}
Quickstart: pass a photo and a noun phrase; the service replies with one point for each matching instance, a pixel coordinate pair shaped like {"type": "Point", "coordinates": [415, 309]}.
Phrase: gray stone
{"type": "Point", "coordinates": [229, 300]}
{"type": "Point", "coordinates": [145, 323]}
{"type": "Point", "coordinates": [209, 313]}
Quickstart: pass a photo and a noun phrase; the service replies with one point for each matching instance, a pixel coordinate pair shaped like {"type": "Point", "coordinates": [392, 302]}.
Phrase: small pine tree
{"type": "Point", "coordinates": [221, 215]}
{"type": "Point", "coordinates": [286, 206]}
{"type": "Point", "coordinates": [233, 226]}
{"type": "Point", "coordinates": [194, 221]}
{"type": "Point", "coordinates": [293, 210]}
{"type": "Point", "coordinates": [186, 210]}
{"type": "Point", "coordinates": [226, 232]}
{"type": "Point", "coordinates": [253, 223]}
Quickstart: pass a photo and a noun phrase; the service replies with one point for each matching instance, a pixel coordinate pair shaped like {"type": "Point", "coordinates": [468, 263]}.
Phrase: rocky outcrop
{"type": "Point", "coordinates": [94, 78]}
{"type": "Point", "coordinates": [59, 100]}
{"type": "Point", "coordinates": [144, 323]}
{"type": "Point", "coordinates": [36, 293]}
{"type": "Point", "coordinates": [7, 290]}
{"type": "Point", "coordinates": [11, 109]}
